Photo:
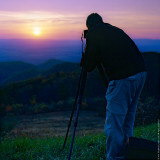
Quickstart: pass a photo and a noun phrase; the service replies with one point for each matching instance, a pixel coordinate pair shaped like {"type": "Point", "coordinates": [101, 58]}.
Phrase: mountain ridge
{"type": "Point", "coordinates": [18, 70]}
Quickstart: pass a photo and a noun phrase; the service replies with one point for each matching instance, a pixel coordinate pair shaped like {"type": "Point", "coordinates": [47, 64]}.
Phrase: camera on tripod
{"type": "Point", "coordinates": [84, 34]}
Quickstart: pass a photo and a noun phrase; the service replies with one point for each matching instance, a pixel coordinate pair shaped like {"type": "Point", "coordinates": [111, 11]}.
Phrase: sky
{"type": "Point", "coordinates": [65, 19]}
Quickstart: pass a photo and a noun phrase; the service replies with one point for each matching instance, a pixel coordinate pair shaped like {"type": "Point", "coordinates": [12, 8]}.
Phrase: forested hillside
{"type": "Point", "coordinates": [17, 71]}
{"type": "Point", "coordinates": [9, 69]}
{"type": "Point", "coordinates": [55, 88]}
{"type": "Point", "coordinates": [152, 61]}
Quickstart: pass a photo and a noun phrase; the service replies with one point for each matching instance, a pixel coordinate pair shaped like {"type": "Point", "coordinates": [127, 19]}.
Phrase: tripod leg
{"type": "Point", "coordinates": [82, 85]}
{"type": "Point", "coordinates": [74, 131]}
{"type": "Point", "coordinates": [70, 121]}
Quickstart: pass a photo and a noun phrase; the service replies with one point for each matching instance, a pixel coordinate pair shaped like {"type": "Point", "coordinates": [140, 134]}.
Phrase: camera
{"type": "Point", "coordinates": [84, 34]}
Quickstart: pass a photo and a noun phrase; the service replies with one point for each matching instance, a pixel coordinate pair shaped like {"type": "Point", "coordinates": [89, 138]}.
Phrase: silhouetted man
{"type": "Point", "coordinates": [124, 65]}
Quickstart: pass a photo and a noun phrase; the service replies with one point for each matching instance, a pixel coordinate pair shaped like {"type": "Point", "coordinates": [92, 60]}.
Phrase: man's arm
{"type": "Point", "coordinates": [91, 57]}
{"type": "Point", "coordinates": [103, 75]}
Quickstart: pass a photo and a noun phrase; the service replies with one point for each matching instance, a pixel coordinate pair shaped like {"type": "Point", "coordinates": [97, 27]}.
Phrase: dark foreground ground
{"type": "Point", "coordinates": [56, 123]}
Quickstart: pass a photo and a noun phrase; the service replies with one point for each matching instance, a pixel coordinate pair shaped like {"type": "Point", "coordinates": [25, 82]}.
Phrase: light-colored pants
{"type": "Point", "coordinates": [122, 97]}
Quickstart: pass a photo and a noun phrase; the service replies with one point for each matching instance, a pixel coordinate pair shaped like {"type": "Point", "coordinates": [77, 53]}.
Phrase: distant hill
{"type": "Point", "coordinates": [16, 71]}
{"type": "Point", "coordinates": [63, 67]}
{"type": "Point", "coordinates": [49, 64]}
{"type": "Point", "coordinates": [148, 45]}
{"type": "Point", "coordinates": [8, 69]}
{"type": "Point", "coordinates": [23, 75]}
{"type": "Point", "coordinates": [38, 51]}
{"type": "Point", "coordinates": [152, 61]}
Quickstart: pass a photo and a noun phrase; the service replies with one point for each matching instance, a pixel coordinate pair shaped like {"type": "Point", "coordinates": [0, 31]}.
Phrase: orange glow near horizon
{"type": "Point", "coordinates": [49, 25]}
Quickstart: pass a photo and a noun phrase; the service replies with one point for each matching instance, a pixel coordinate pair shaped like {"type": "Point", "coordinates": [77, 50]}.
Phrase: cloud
{"type": "Point", "coordinates": [133, 23]}
{"type": "Point", "coordinates": [39, 17]}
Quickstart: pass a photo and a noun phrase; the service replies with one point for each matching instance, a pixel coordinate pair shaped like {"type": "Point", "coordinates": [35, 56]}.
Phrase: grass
{"type": "Point", "coordinates": [7, 123]}
{"type": "Point", "coordinates": [89, 147]}
{"type": "Point", "coordinates": [148, 132]}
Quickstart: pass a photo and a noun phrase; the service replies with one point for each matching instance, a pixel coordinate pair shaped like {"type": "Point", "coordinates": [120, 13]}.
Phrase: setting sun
{"type": "Point", "coordinates": [36, 31]}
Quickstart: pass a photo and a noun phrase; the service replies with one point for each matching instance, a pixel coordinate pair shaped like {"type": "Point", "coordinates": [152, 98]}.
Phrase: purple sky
{"type": "Point", "coordinates": [65, 19]}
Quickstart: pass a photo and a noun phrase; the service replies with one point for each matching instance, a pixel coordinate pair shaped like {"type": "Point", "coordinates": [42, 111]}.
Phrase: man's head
{"type": "Point", "coordinates": [93, 19]}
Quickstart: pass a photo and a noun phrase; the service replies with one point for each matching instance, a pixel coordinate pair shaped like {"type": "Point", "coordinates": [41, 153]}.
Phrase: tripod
{"type": "Point", "coordinates": [79, 94]}
{"type": "Point", "coordinates": [80, 90]}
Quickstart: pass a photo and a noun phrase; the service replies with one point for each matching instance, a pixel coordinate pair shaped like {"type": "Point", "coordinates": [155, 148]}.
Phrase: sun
{"type": "Point", "coordinates": [36, 31]}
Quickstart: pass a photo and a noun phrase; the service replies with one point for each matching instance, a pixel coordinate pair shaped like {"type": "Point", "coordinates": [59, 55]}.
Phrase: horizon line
{"type": "Point", "coordinates": [67, 39]}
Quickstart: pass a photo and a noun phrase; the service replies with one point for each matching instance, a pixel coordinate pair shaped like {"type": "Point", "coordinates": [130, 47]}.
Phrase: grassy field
{"type": "Point", "coordinates": [88, 147]}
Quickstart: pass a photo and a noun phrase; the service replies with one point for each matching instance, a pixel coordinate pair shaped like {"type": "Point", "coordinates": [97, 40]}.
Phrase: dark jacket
{"type": "Point", "coordinates": [114, 49]}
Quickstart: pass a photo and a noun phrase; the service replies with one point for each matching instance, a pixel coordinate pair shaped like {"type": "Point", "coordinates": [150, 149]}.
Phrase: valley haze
{"type": "Point", "coordinates": [37, 51]}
